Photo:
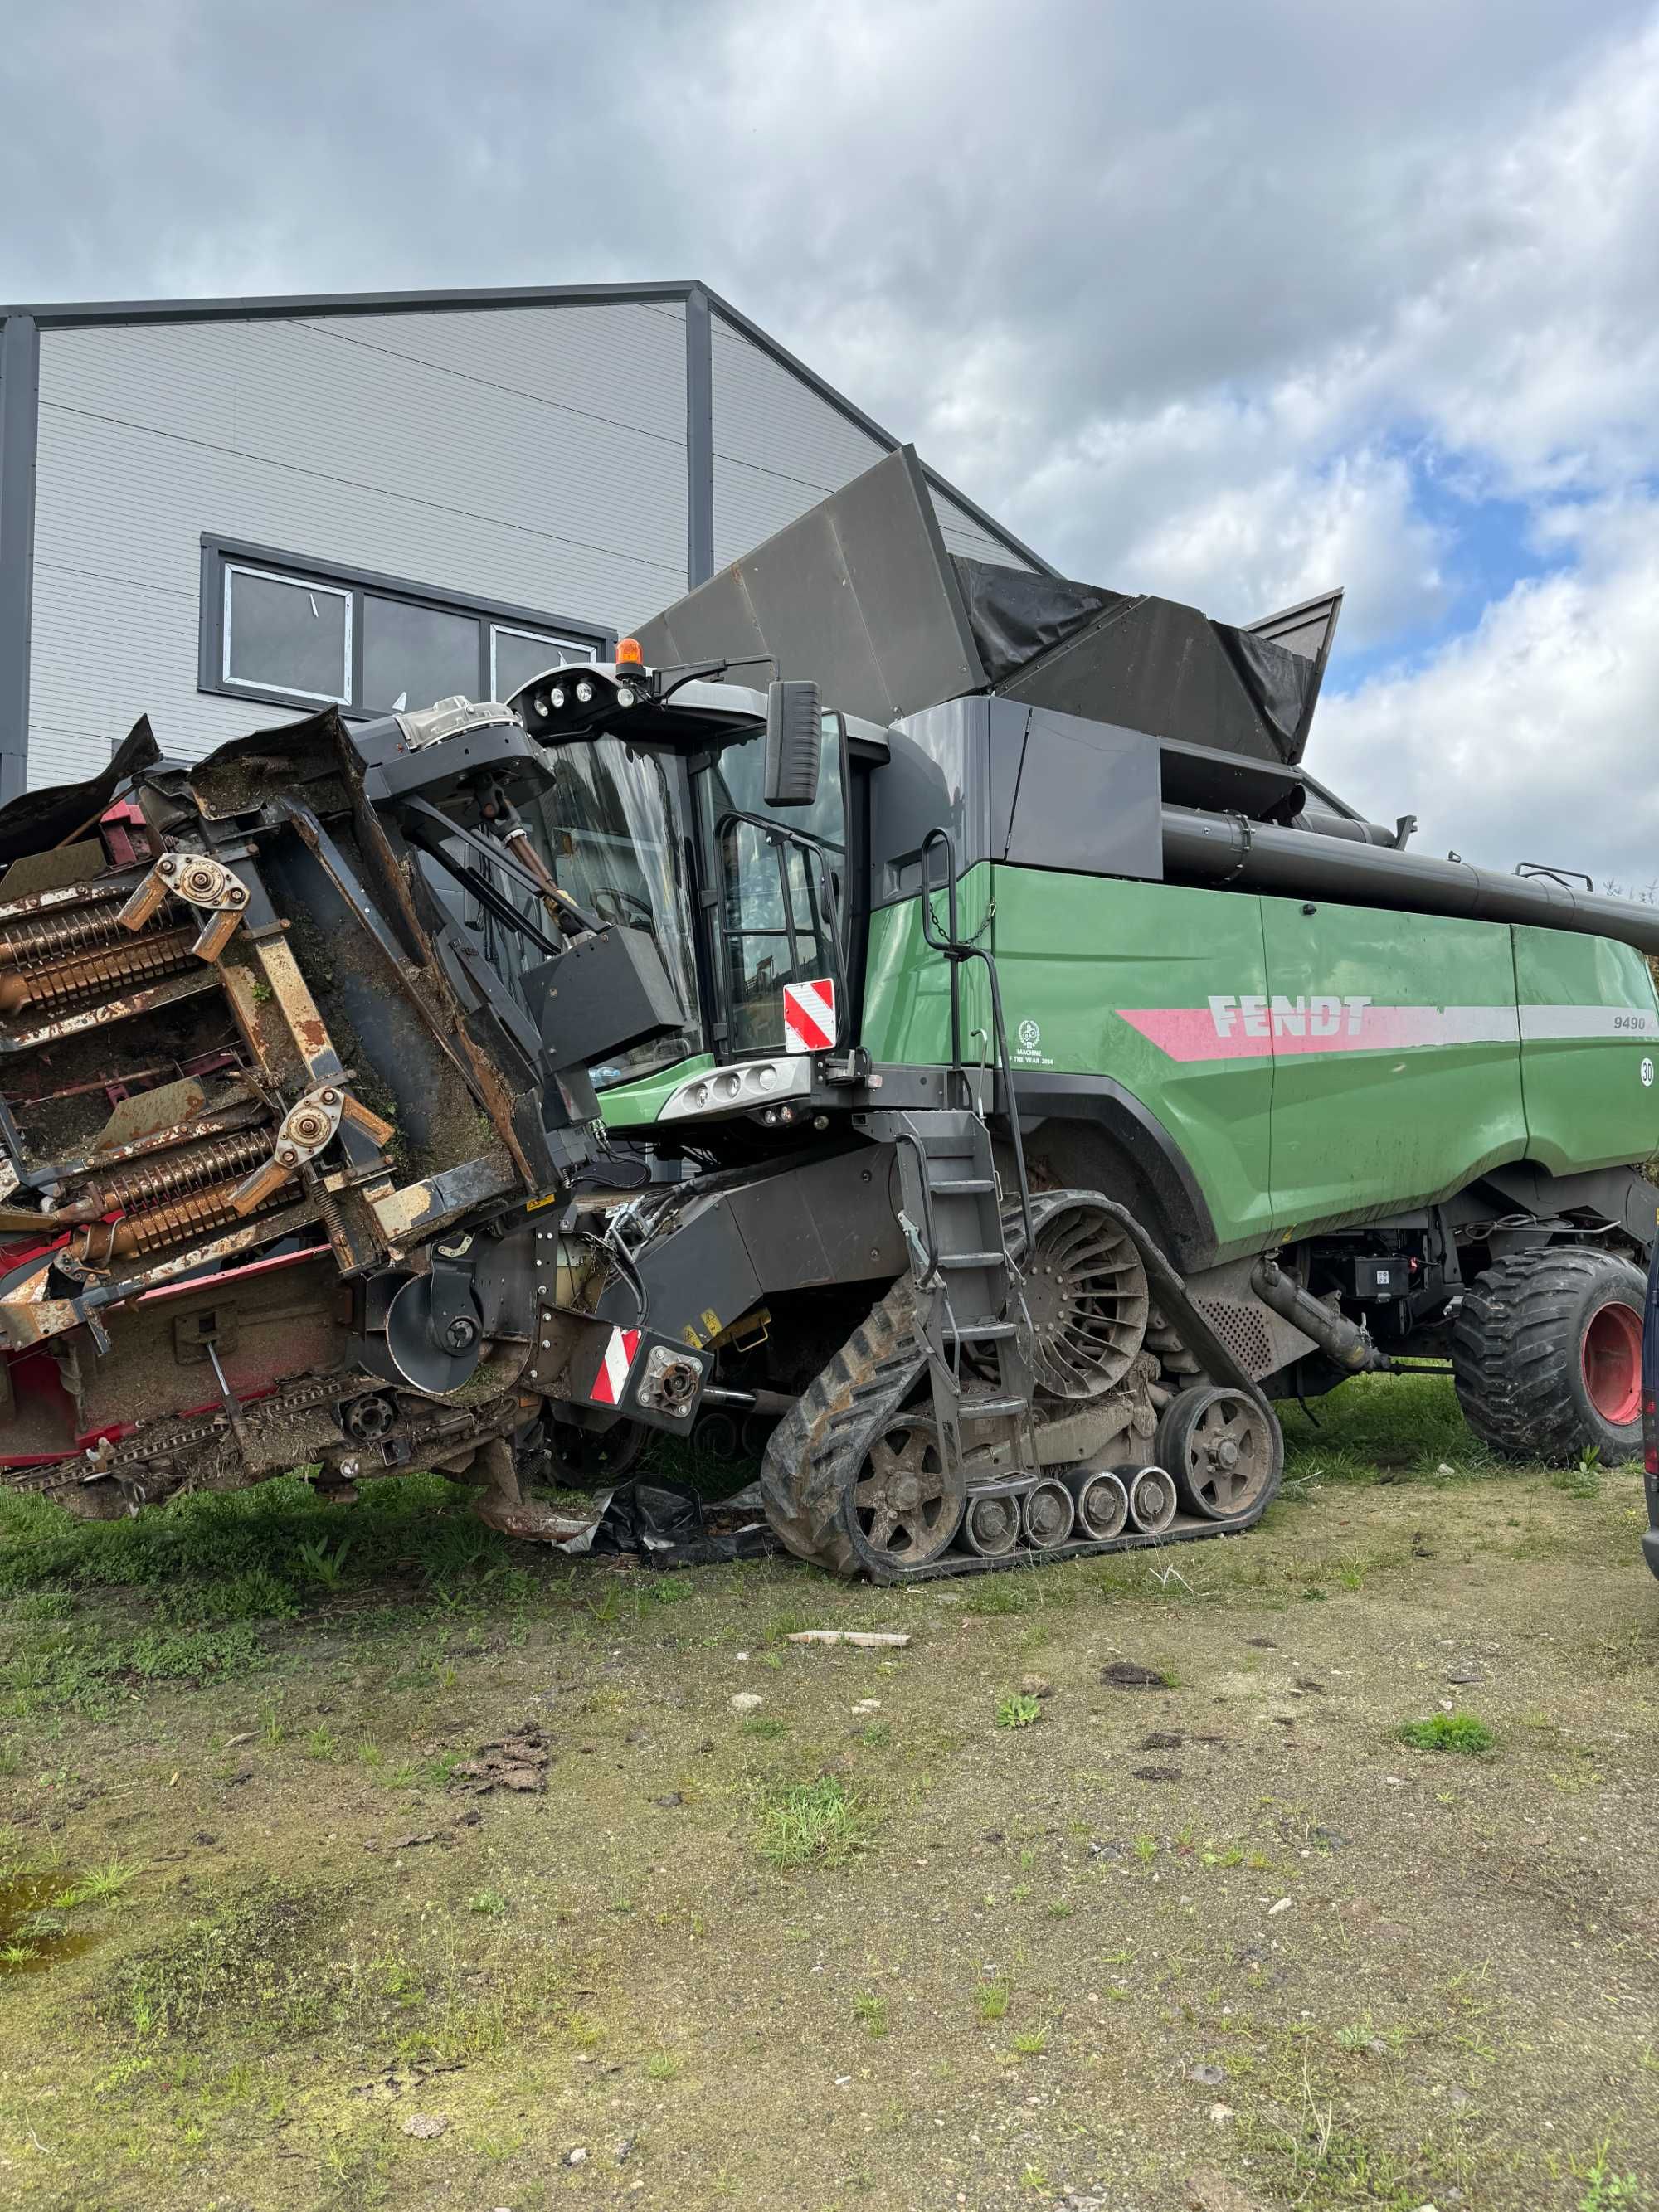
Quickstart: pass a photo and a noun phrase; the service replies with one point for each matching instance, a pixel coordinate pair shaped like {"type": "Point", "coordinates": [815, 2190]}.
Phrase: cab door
{"type": "Point", "coordinates": [1396, 1057]}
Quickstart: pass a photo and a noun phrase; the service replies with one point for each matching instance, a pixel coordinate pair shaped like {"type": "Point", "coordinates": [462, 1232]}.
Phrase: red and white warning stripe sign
{"type": "Point", "coordinates": [809, 1015]}
{"type": "Point", "coordinates": [613, 1378]}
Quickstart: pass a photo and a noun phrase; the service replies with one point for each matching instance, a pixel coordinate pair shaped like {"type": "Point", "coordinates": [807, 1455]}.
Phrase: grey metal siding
{"type": "Point", "coordinates": [780, 445]}
{"type": "Point", "coordinates": [961, 534]}
{"type": "Point", "coordinates": [534, 455]}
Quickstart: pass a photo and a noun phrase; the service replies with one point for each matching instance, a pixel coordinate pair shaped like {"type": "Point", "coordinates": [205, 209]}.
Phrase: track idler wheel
{"type": "Point", "coordinates": [1048, 1514]}
{"type": "Point", "coordinates": [1151, 1501]}
{"type": "Point", "coordinates": [1101, 1503]}
{"type": "Point", "coordinates": [1226, 1451]}
{"type": "Point", "coordinates": [990, 1527]}
{"type": "Point", "coordinates": [906, 1504]}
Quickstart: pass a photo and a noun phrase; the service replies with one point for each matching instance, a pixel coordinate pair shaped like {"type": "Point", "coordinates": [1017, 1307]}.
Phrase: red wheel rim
{"type": "Point", "coordinates": [1613, 1363]}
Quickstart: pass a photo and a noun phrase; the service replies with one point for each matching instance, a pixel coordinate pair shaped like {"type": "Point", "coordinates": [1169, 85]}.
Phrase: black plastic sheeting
{"type": "Point", "coordinates": [665, 1524]}
{"type": "Point", "coordinates": [1017, 614]}
{"type": "Point", "coordinates": [36, 819]}
{"type": "Point", "coordinates": [1141, 663]}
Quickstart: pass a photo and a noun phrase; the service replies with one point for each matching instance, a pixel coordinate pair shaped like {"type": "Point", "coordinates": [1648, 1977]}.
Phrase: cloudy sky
{"type": "Point", "coordinates": [1227, 302]}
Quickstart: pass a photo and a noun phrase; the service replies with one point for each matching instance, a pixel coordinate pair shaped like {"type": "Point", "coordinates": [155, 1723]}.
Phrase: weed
{"type": "Point", "coordinates": [1583, 1477]}
{"type": "Point", "coordinates": [1459, 1732]}
{"type": "Point", "coordinates": [1608, 2191]}
{"type": "Point", "coordinates": [821, 1822]}
{"type": "Point", "coordinates": [320, 1566]}
{"type": "Point", "coordinates": [990, 2000]}
{"type": "Point", "coordinates": [765, 1727]}
{"type": "Point", "coordinates": [871, 2010]}
{"type": "Point", "coordinates": [878, 1736]}
{"type": "Point", "coordinates": [662, 2066]}
{"type": "Point", "coordinates": [489, 1902]}
{"type": "Point", "coordinates": [1032, 2043]}
{"type": "Point", "coordinates": [101, 1883]}
{"type": "Point", "coordinates": [1145, 1849]}
{"type": "Point", "coordinates": [321, 1744]}
{"type": "Point", "coordinates": [1019, 1711]}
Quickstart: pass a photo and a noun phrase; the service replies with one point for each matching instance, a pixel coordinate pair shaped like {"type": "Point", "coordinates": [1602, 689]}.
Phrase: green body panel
{"type": "Point", "coordinates": [1310, 1067]}
{"type": "Point", "coordinates": [1425, 1096]}
{"type": "Point", "coordinates": [633, 1105]}
{"type": "Point", "coordinates": [1590, 1027]}
{"type": "Point", "coordinates": [1074, 951]}
{"type": "Point", "coordinates": [907, 985]}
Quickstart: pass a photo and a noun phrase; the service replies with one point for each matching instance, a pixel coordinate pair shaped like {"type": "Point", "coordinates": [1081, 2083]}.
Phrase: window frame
{"type": "Point", "coordinates": [222, 556]}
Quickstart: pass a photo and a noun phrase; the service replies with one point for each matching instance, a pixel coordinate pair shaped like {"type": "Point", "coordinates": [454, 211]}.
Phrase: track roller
{"type": "Point", "coordinates": [1101, 1503]}
{"type": "Point", "coordinates": [990, 1528]}
{"type": "Point", "coordinates": [1046, 1515]}
{"type": "Point", "coordinates": [1152, 1500]}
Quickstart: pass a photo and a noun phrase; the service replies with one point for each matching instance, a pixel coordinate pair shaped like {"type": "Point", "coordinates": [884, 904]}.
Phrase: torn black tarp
{"type": "Point", "coordinates": [666, 1524]}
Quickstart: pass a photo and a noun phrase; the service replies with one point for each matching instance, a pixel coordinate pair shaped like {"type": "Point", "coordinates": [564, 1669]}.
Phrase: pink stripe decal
{"type": "Point", "coordinates": [1259, 1027]}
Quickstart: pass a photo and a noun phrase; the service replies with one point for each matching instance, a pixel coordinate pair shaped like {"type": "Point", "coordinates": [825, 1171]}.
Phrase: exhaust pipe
{"type": "Point", "coordinates": [1345, 1341]}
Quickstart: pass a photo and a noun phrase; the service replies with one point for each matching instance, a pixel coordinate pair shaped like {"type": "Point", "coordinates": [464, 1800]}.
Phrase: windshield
{"type": "Point", "coordinates": [607, 830]}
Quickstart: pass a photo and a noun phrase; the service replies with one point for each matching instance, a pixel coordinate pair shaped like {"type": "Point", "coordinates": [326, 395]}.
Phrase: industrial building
{"type": "Point", "coordinates": [227, 512]}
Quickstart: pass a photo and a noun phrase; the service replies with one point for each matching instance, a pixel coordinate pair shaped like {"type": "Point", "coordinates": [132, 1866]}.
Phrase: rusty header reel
{"type": "Point", "coordinates": [261, 1085]}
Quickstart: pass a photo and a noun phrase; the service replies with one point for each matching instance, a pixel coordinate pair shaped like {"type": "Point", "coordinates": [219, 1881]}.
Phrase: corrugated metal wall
{"type": "Point", "coordinates": [780, 446]}
{"type": "Point", "coordinates": [535, 456]}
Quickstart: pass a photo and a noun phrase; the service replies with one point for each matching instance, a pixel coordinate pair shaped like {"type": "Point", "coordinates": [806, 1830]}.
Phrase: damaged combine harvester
{"type": "Point", "coordinates": [344, 1072]}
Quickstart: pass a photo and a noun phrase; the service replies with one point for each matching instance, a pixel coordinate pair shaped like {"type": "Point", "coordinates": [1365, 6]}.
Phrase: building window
{"type": "Point", "coordinates": [302, 633]}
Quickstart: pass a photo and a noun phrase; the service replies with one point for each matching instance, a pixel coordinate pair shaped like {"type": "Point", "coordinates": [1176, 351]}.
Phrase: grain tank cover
{"type": "Point", "coordinates": [860, 594]}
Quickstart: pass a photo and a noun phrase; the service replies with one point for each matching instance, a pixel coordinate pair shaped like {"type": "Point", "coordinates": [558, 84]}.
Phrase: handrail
{"type": "Point", "coordinates": [956, 950]}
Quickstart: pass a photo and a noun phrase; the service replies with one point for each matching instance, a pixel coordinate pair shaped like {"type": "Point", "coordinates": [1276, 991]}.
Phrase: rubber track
{"type": "Point", "coordinates": [804, 1473]}
{"type": "Point", "coordinates": [819, 1444]}
{"type": "Point", "coordinates": [1514, 1353]}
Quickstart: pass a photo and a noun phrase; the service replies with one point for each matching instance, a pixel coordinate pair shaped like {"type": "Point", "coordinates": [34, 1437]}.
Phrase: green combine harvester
{"type": "Point", "coordinates": [915, 1019]}
{"type": "Point", "coordinates": [1071, 1076]}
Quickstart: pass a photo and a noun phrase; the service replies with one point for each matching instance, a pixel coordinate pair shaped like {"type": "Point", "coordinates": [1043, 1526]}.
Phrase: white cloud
{"type": "Point", "coordinates": [1533, 737]}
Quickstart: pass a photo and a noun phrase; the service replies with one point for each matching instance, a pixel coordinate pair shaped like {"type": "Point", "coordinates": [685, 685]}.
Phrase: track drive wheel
{"type": "Point", "coordinates": [1226, 1451]}
{"type": "Point", "coordinates": [1547, 1355]}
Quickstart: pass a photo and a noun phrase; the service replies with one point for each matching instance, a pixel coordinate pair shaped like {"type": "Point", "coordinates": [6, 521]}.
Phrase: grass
{"type": "Point", "coordinates": [1462, 1733]}
{"type": "Point", "coordinates": [259, 1919]}
{"type": "Point", "coordinates": [823, 1822]}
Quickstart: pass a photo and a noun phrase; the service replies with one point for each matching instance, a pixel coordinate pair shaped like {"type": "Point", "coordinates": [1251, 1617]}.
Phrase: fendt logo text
{"type": "Point", "coordinates": [1316, 1016]}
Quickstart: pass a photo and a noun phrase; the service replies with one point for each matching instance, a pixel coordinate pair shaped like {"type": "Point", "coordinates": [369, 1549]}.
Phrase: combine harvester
{"type": "Point", "coordinates": [1038, 1075]}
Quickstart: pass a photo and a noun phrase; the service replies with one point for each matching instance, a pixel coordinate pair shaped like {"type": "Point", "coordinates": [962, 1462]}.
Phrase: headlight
{"type": "Point", "coordinates": [555, 698]}
{"type": "Point", "coordinates": [584, 692]}
{"type": "Point", "coordinates": [741, 1087]}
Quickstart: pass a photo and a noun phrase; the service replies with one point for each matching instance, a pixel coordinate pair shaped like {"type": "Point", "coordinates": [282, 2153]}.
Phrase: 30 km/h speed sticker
{"type": "Point", "coordinates": [809, 1015]}
{"type": "Point", "coordinates": [1646, 1073]}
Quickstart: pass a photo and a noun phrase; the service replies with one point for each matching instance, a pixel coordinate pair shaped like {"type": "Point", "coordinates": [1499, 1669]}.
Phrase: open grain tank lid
{"type": "Point", "coordinates": [860, 594]}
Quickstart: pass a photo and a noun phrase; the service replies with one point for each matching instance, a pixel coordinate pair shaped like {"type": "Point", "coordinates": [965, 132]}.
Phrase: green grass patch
{"type": "Point", "coordinates": [1463, 1733]}
{"type": "Point", "coordinates": [1019, 1711]}
{"type": "Point", "coordinates": [820, 1823]}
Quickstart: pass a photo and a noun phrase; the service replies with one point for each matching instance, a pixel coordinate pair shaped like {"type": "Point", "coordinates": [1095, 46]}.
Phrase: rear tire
{"type": "Point", "coordinates": [1547, 1356]}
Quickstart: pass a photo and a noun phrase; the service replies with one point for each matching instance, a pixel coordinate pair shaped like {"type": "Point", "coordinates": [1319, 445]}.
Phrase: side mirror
{"type": "Point", "coordinates": [793, 741]}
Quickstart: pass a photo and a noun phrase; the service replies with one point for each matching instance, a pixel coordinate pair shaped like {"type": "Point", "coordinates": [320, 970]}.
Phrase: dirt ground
{"type": "Point", "coordinates": [969, 1924]}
